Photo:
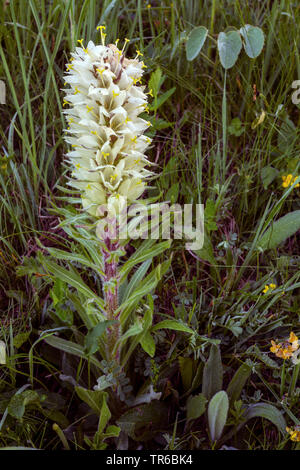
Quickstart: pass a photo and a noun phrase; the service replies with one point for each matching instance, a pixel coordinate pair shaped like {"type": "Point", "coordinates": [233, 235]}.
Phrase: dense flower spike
{"type": "Point", "coordinates": [105, 131]}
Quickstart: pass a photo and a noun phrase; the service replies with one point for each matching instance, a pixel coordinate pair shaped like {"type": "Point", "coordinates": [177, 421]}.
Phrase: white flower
{"type": "Point", "coordinates": [105, 131]}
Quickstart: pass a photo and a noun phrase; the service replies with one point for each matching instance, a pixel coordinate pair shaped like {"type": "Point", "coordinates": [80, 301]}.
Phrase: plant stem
{"type": "Point", "coordinates": [111, 289]}
{"type": "Point", "coordinates": [294, 379]}
{"type": "Point", "coordinates": [282, 379]}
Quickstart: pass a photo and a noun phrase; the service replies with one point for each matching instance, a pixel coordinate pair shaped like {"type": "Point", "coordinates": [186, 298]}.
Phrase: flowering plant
{"type": "Point", "coordinates": [107, 157]}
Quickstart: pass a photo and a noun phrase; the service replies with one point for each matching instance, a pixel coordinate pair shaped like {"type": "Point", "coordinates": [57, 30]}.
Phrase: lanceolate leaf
{"type": "Point", "coordinates": [238, 381]}
{"type": "Point", "coordinates": [280, 230]}
{"type": "Point", "coordinates": [71, 348]}
{"type": "Point", "coordinates": [217, 414]}
{"type": "Point", "coordinates": [212, 373]}
{"type": "Point", "coordinates": [93, 398]}
{"type": "Point", "coordinates": [195, 406]}
{"type": "Point", "coordinates": [173, 325]}
{"type": "Point", "coordinates": [265, 410]}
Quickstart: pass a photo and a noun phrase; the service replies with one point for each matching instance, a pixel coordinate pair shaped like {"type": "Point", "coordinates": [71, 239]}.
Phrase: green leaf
{"type": "Point", "coordinates": [280, 230]}
{"type": "Point", "coordinates": [71, 348]}
{"type": "Point", "coordinates": [253, 40]}
{"type": "Point", "coordinates": [195, 406]}
{"type": "Point", "coordinates": [162, 98]}
{"type": "Point", "coordinates": [112, 431]}
{"type": "Point", "coordinates": [287, 135]}
{"type": "Point", "coordinates": [143, 422]}
{"type": "Point", "coordinates": [172, 325]}
{"type": "Point", "coordinates": [105, 414]}
{"type": "Point", "coordinates": [91, 339]}
{"type": "Point", "coordinates": [93, 398]}
{"type": "Point", "coordinates": [206, 252]}
{"type": "Point", "coordinates": [20, 339]}
{"type": "Point", "coordinates": [217, 414]}
{"type": "Point", "coordinates": [186, 371]}
{"type": "Point", "coordinates": [195, 42]}
{"type": "Point", "coordinates": [156, 81]}
{"type": "Point", "coordinates": [209, 216]}
{"type": "Point", "coordinates": [134, 330]}
{"type": "Point", "coordinates": [235, 127]}
{"type": "Point", "coordinates": [268, 174]}
{"type": "Point", "coordinates": [172, 194]}
{"type": "Point", "coordinates": [229, 46]}
{"type": "Point", "coordinates": [238, 382]}
{"type": "Point", "coordinates": [18, 403]}
{"type": "Point", "coordinates": [72, 278]}
{"type": "Point", "coordinates": [148, 344]}
{"type": "Point", "coordinates": [212, 373]}
{"type": "Point", "coordinates": [267, 411]}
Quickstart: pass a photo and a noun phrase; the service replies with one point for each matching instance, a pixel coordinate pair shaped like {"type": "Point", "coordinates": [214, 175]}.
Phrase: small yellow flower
{"type": "Point", "coordinates": [269, 287]}
{"type": "Point", "coordinates": [294, 433]}
{"type": "Point", "coordinates": [286, 349]}
{"type": "Point", "coordinates": [289, 180]}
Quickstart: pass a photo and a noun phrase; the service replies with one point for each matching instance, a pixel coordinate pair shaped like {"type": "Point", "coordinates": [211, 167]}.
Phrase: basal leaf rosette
{"type": "Point", "coordinates": [104, 99]}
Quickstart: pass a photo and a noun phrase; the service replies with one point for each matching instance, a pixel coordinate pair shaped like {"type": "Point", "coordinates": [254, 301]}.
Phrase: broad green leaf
{"type": "Point", "coordinates": [235, 127]}
{"type": "Point", "coordinates": [253, 40]}
{"type": "Point", "coordinates": [18, 403]}
{"type": "Point", "coordinates": [287, 135]}
{"type": "Point", "coordinates": [195, 406]}
{"type": "Point", "coordinates": [112, 431]}
{"type": "Point", "coordinates": [217, 414]}
{"type": "Point", "coordinates": [238, 382]}
{"type": "Point", "coordinates": [148, 344]}
{"type": "Point", "coordinates": [78, 258]}
{"type": "Point", "coordinates": [212, 373]}
{"type": "Point", "coordinates": [146, 324]}
{"type": "Point", "coordinates": [268, 174]}
{"type": "Point", "coordinates": [206, 252]}
{"type": "Point", "coordinates": [72, 278]}
{"type": "Point", "coordinates": [267, 411]}
{"type": "Point", "coordinates": [280, 230]}
{"type": "Point", "coordinates": [144, 255]}
{"type": "Point", "coordinates": [136, 279]}
{"type": "Point", "coordinates": [155, 81]}
{"type": "Point", "coordinates": [71, 348]}
{"type": "Point", "coordinates": [142, 423]}
{"type": "Point", "coordinates": [172, 194]}
{"type": "Point", "coordinates": [229, 46]}
{"type": "Point", "coordinates": [172, 325]}
{"type": "Point", "coordinates": [134, 330]}
{"type": "Point", "coordinates": [145, 287]}
{"type": "Point", "coordinates": [186, 371]}
{"type": "Point", "coordinates": [195, 42]}
{"type": "Point", "coordinates": [91, 339]}
{"type": "Point", "coordinates": [93, 398]}
{"type": "Point", "coordinates": [162, 98]}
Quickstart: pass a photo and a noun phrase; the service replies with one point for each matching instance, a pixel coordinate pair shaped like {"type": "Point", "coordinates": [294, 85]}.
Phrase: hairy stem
{"type": "Point", "coordinates": [111, 289]}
